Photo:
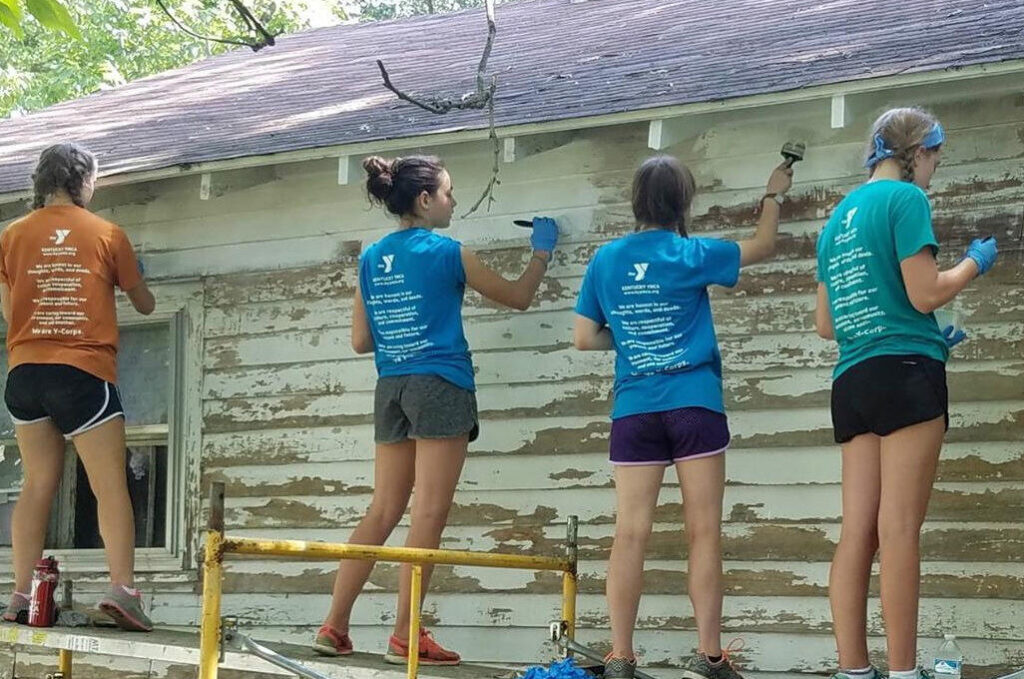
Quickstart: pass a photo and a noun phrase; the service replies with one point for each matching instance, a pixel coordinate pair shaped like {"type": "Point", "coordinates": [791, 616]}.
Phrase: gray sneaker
{"type": "Point", "coordinates": [17, 609]}
{"type": "Point", "coordinates": [699, 667]}
{"type": "Point", "coordinates": [619, 668]}
{"type": "Point", "coordinates": [126, 609]}
{"type": "Point", "coordinates": [873, 674]}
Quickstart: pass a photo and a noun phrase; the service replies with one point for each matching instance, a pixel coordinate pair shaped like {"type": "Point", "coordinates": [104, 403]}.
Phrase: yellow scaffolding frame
{"type": "Point", "coordinates": [218, 545]}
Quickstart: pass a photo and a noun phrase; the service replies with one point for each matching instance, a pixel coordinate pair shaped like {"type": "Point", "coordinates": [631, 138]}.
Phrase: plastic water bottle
{"type": "Point", "coordinates": [949, 659]}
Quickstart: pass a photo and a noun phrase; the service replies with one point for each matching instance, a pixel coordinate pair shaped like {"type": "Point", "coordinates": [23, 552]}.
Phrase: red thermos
{"type": "Point", "coordinates": [42, 607]}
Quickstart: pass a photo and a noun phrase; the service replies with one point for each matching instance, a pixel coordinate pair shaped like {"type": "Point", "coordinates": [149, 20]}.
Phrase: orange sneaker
{"type": "Point", "coordinates": [330, 641]}
{"type": "Point", "coordinates": [431, 652]}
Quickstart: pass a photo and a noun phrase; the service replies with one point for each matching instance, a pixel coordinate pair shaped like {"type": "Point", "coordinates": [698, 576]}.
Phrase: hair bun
{"type": "Point", "coordinates": [380, 177]}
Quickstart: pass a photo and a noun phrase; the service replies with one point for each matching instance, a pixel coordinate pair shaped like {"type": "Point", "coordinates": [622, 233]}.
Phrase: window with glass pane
{"type": "Point", "coordinates": [145, 383]}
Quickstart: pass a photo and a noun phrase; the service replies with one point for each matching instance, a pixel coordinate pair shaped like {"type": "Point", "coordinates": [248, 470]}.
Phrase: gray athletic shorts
{"type": "Point", "coordinates": [422, 407]}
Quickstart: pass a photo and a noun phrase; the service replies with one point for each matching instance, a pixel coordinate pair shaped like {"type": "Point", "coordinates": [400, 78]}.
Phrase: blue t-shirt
{"type": "Point", "coordinates": [650, 289]}
{"type": "Point", "coordinates": [871, 231]}
{"type": "Point", "coordinates": [412, 282]}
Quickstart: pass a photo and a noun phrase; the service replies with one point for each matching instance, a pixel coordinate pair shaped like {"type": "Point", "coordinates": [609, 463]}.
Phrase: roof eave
{"type": "Point", "coordinates": [806, 94]}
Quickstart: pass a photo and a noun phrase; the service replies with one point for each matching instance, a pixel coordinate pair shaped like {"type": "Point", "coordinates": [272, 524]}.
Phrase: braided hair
{"type": "Point", "coordinates": [901, 131]}
{"type": "Point", "coordinates": [66, 167]}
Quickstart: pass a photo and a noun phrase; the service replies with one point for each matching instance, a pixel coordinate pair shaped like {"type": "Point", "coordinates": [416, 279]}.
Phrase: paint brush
{"type": "Point", "coordinates": [793, 151]}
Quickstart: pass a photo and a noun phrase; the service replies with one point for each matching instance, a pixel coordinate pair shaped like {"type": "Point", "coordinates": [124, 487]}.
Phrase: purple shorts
{"type": "Point", "coordinates": [669, 436]}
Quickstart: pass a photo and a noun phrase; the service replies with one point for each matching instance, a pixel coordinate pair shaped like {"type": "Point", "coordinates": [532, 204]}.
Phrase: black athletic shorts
{"type": "Point", "coordinates": [75, 400]}
{"type": "Point", "coordinates": [887, 393]}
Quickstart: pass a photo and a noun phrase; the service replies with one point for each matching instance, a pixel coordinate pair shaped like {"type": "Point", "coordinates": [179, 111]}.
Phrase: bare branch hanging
{"type": "Point", "coordinates": [482, 98]}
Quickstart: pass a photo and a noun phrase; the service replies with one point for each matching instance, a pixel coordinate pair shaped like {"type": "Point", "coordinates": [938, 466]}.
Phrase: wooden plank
{"type": "Point", "coordinates": [559, 436]}
{"type": "Point", "coordinates": [176, 653]}
{"type": "Point", "coordinates": [549, 330]}
{"type": "Point", "coordinates": [945, 541]}
{"type": "Point", "coordinates": [840, 111]}
{"type": "Point", "coordinates": [991, 619]}
{"type": "Point", "coordinates": [351, 473]}
{"type": "Point", "coordinates": [763, 652]}
{"type": "Point", "coordinates": [735, 311]}
{"type": "Point", "coordinates": [743, 390]}
{"type": "Point", "coordinates": [668, 132]}
{"type": "Point", "coordinates": [581, 397]}
{"type": "Point", "coordinates": [336, 278]}
{"type": "Point", "coordinates": [41, 663]}
{"type": "Point", "coordinates": [735, 314]}
{"type": "Point", "coordinates": [939, 580]}
{"type": "Point", "coordinates": [993, 202]}
{"type": "Point", "coordinates": [813, 503]}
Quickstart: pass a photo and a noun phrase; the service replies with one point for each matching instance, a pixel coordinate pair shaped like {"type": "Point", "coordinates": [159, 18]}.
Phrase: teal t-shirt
{"type": "Point", "coordinates": [871, 231]}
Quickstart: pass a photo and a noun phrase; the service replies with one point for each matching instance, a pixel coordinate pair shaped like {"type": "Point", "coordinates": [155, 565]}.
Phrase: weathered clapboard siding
{"type": "Point", "coordinates": [287, 407]}
{"type": "Point", "coordinates": [287, 412]}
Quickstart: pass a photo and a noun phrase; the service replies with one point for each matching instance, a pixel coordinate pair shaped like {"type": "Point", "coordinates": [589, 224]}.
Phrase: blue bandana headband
{"type": "Point", "coordinates": [935, 138]}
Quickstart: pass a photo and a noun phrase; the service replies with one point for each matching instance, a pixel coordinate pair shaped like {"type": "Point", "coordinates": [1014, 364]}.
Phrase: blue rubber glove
{"type": "Point", "coordinates": [564, 669]}
{"type": "Point", "coordinates": [953, 338]}
{"type": "Point", "coordinates": [545, 234]}
{"type": "Point", "coordinates": [983, 252]}
{"type": "Point", "coordinates": [142, 269]}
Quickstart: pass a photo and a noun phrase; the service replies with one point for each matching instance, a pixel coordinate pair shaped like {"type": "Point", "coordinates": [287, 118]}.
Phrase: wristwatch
{"type": "Point", "coordinates": [777, 197]}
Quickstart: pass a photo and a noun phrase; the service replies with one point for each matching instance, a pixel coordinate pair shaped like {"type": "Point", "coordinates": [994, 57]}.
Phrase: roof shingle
{"type": "Point", "coordinates": [555, 59]}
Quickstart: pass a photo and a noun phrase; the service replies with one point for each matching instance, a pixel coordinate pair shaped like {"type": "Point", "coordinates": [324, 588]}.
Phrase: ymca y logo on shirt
{"type": "Point", "coordinates": [650, 289]}
{"type": "Point", "coordinates": [412, 282]}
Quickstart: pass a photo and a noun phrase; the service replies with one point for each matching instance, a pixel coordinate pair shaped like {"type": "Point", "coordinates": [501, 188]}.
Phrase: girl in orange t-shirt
{"type": "Point", "coordinates": [58, 269]}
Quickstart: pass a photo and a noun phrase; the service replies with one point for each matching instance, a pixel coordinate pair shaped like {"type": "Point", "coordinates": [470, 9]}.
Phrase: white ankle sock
{"type": "Point", "coordinates": [905, 674]}
{"type": "Point", "coordinates": [859, 672]}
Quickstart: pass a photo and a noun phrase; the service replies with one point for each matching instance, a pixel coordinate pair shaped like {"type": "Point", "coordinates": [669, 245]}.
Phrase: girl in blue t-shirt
{"type": "Point", "coordinates": [878, 286]}
{"type": "Point", "coordinates": [408, 312]}
{"type": "Point", "coordinates": [645, 296]}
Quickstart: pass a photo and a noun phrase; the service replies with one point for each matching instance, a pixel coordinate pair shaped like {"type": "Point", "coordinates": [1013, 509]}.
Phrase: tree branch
{"type": "Point", "coordinates": [266, 38]}
{"type": "Point", "coordinates": [493, 136]}
{"type": "Point", "coordinates": [492, 29]}
{"type": "Point", "coordinates": [473, 100]}
{"type": "Point", "coordinates": [482, 98]}
{"type": "Point", "coordinates": [435, 106]}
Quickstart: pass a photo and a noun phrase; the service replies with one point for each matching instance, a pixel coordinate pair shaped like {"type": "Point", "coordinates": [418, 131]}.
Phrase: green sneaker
{"type": "Point", "coordinates": [699, 667]}
{"type": "Point", "coordinates": [618, 667]}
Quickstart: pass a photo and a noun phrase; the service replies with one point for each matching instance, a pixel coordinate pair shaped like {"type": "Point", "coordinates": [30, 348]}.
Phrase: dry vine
{"type": "Point", "coordinates": [482, 98]}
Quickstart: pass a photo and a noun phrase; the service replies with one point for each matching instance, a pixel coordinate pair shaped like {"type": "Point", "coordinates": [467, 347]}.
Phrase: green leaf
{"type": "Point", "coordinates": [53, 15]}
{"type": "Point", "coordinates": [10, 16]}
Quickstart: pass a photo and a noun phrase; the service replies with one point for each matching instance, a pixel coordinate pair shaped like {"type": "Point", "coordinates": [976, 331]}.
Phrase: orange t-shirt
{"type": "Point", "coordinates": [61, 263]}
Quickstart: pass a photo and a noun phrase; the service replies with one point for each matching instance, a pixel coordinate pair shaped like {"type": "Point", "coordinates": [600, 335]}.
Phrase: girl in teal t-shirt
{"type": "Point", "coordinates": [879, 285]}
